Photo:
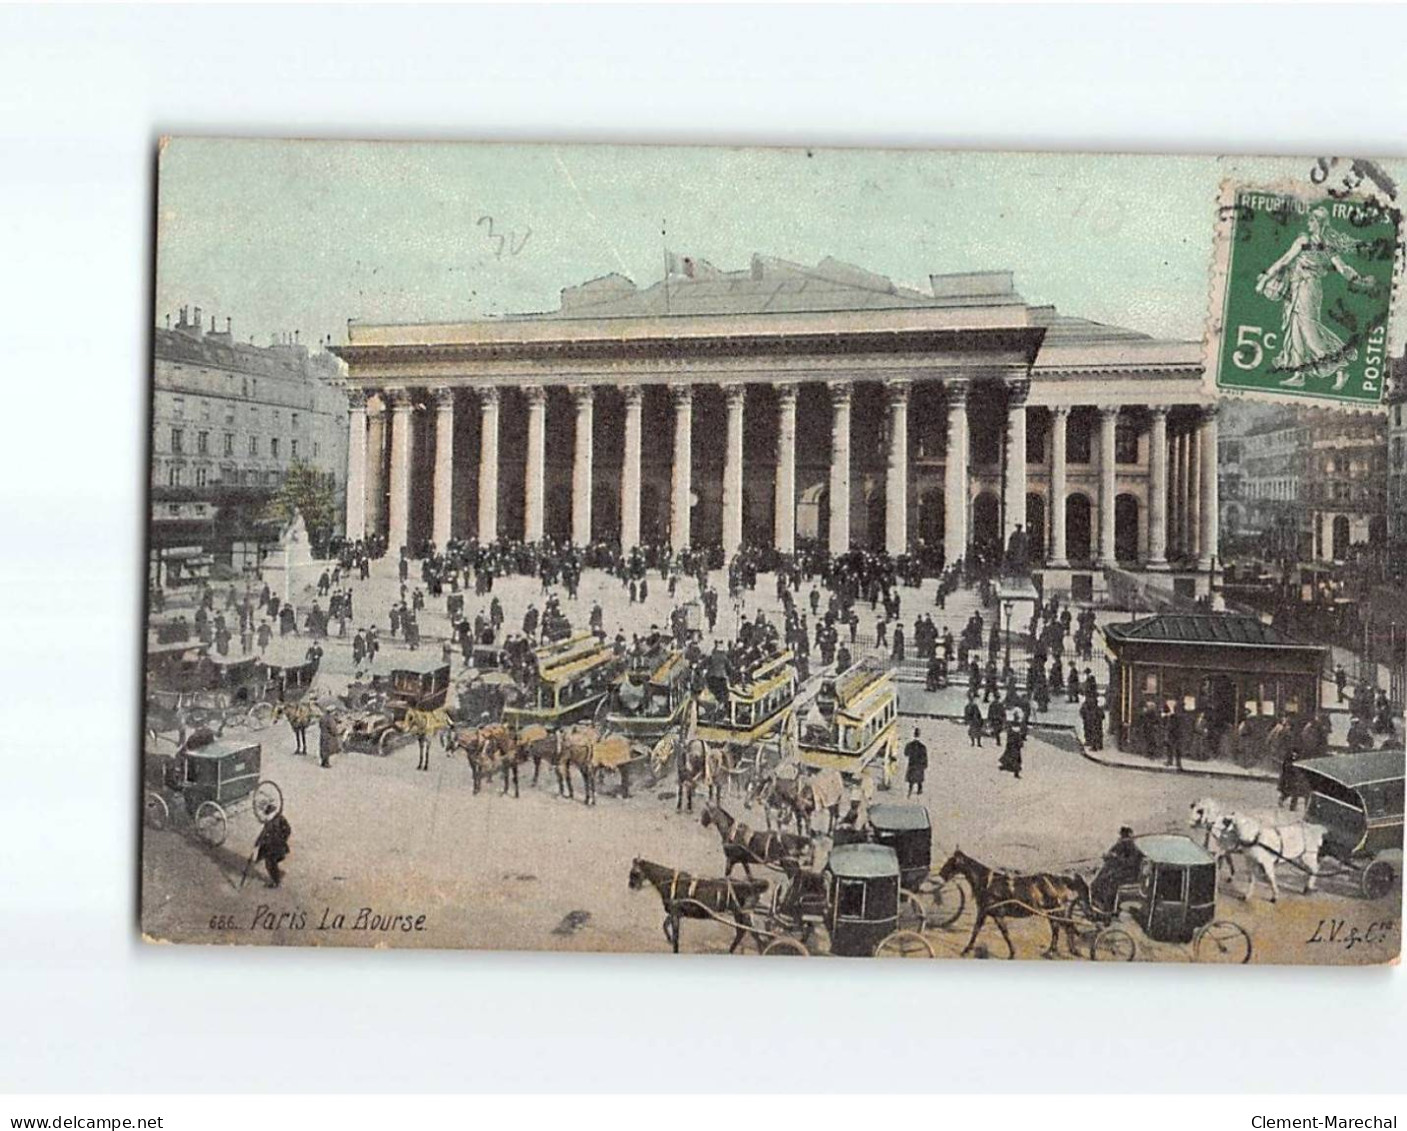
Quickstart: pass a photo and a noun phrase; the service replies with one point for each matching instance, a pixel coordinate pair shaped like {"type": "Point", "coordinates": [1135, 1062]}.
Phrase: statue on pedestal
{"type": "Point", "coordinates": [1017, 563]}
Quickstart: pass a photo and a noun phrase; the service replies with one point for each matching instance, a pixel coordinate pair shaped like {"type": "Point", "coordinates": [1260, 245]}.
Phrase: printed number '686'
{"type": "Point", "coordinates": [1251, 344]}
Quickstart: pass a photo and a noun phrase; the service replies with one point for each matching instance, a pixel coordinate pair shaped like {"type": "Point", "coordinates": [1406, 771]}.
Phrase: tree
{"type": "Point", "coordinates": [308, 492]}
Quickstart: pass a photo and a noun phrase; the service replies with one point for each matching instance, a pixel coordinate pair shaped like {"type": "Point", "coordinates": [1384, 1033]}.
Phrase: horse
{"type": "Point", "coordinates": [486, 748]}
{"type": "Point", "coordinates": [300, 716]}
{"type": "Point", "coordinates": [742, 845]}
{"type": "Point", "coordinates": [591, 752]}
{"type": "Point", "coordinates": [539, 744]}
{"type": "Point", "coordinates": [1208, 814]}
{"type": "Point", "coordinates": [787, 798]}
{"type": "Point", "coordinates": [687, 897]}
{"type": "Point", "coordinates": [1265, 844]}
{"type": "Point", "coordinates": [696, 761]}
{"type": "Point", "coordinates": [1002, 895]}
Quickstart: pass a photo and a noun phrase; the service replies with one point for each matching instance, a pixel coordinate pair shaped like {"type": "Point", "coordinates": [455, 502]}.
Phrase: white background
{"type": "Point", "coordinates": [84, 94]}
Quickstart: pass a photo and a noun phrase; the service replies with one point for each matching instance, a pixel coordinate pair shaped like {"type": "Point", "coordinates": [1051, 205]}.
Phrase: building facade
{"type": "Point", "coordinates": [782, 405]}
{"type": "Point", "coordinates": [1306, 484]}
{"type": "Point", "coordinates": [1397, 453]}
{"type": "Point", "coordinates": [228, 419]}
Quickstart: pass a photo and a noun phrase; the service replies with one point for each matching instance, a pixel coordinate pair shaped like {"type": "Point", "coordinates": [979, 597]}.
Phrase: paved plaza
{"type": "Point", "coordinates": [545, 873]}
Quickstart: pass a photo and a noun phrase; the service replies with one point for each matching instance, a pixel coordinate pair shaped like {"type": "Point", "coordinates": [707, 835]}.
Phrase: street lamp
{"type": "Point", "coordinates": [1008, 607]}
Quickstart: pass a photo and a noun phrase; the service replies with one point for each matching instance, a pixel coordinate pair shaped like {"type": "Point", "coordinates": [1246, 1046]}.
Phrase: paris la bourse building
{"type": "Point", "coordinates": [783, 404]}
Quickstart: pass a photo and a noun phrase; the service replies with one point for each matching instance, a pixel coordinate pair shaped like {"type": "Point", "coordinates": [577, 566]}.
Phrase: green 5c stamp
{"type": "Point", "coordinates": [1307, 283]}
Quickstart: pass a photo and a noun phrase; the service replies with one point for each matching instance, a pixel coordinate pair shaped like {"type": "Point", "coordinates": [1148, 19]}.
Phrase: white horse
{"type": "Point", "coordinates": [1208, 814]}
{"type": "Point", "coordinates": [1266, 844]}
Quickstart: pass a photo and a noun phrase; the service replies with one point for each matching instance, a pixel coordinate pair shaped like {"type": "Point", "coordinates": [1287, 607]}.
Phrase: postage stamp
{"type": "Point", "coordinates": [1306, 287]}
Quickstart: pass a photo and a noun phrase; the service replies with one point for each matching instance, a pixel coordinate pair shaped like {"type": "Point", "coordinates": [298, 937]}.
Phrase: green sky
{"type": "Point", "coordinates": [305, 235]}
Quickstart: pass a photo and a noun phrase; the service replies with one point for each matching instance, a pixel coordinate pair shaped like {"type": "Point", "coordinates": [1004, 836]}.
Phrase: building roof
{"type": "Point", "coordinates": [1232, 629]}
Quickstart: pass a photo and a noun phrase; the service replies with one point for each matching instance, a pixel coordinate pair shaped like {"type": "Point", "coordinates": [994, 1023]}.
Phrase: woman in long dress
{"type": "Point", "coordinates": [1308, 347]}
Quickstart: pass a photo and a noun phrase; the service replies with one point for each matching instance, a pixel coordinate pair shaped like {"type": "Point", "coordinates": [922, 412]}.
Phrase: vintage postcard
{"type": "Point", "coordinates": [784, 552]}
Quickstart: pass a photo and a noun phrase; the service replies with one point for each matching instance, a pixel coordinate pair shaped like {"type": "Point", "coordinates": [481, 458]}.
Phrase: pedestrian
{"type": "Point", "coordinates": [1340, 680]}
{"type": "Point", "coordinates": [271, 846]}
{"type": "Point", "coordinates": [972, 716]}
{"type": "Point", "coordinates": [1010, 761]}
{"type": "Point", "coordinates": [329, 739]}
{"type": "Point", "coordinates": [916, 760]}
{"type": "Point", "coordinates": [1092, 715]}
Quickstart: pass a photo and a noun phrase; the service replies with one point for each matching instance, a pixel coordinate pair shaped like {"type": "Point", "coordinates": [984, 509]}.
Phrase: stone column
{"type": "Point", "coordinates": [444, 467]}
{"type": "Point", "coordinates": [583, 398]}
{"type": "Point", "coordinates": [784, 524]}
{"type": "Point", "coordinates": [682, 483]}
{"type": "Point", "coordinates": [1059, 458]}
{"type": "Point", "coordinates": [1179, 492]}
{"type": "Point", "coordinates": [630, 469]}
{"type": "Point", "coordinates": [1211, 513]}
{"type": "Point", "coordinates": [1158, 489]}
{"type": "Point", "coordinates": [896, 479]}
{"type": "Point", "coordinates": [840, 392]}
{"type": "Point", "coordinates": [955, 481]}
{"type": "Point", "coordinates": [1108, 422]}
{"type": "Point", "coordinates": [1015, 461]}
{"type": "Point", "coordinates": [356, 464]}
{"type": "Point", "coordinates": [535, 473]}
{"type": "Point", "coordinates": [376, 466]}
{"type": "Point", "coordinates": [733, 471]}
{"type": "Point", "coordinates": [1194, 490]}
{"type": "Point", "coordinates": [398, 522]}
{"type": "Point", "coordinates": [488, 464]}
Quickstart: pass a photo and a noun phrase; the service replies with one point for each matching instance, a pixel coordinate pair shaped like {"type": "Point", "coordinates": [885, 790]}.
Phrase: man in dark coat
{"type": "Point", "coordinates": [916, 760]}
{"type": "Point", "coordinates": [272, 846]}
{"type": "Point", "coordinates": [972, 716]}
{"type": "Point", "coordinates": [329, 740]}
{"type": "Point", "coordinates": [1121, 863]}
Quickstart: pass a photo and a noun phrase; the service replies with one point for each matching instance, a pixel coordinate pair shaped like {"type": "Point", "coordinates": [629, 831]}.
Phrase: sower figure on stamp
{"type": "Point", "coordinates": [272, 846]}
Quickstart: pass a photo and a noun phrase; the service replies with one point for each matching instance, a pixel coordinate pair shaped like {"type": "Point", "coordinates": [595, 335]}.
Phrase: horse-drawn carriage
{"type": "Point", "coordinates": [212, 783]}
{"type": "Point", "coordinates": [929, 901]}
{"type": "Point", "coordinates": [754, 707]}
{"type": "Point", "coordinates": [851, 725]}
{"type": "Point", "coordinates": [647, 701]}
{"type": "Point", "coordinates": [1357, 798]}
{"type": "Point", "coordinates": [1167, 894]}
{"type": "Point", "coordinates": [855, 900]}
{"type": "Point", "coordinates": [573, 678]}
{"type": "Point", "coordinates": [381, 711]}
{"type": "Point", "coordinates": [188, 685]}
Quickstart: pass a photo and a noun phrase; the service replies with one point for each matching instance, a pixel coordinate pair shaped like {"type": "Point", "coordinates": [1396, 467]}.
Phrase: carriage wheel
{"type": "Point", "coordinates": [1378, 879]}
{"type": "Point", "coordinates": [911, 913]}
{"type": "Point", "coordinates": [949, 901]}
{"type": "Point", "coordinates": [268, 801]}
{"type": "Point", "coordinates": [904, 944]}
{"type": "Point", "coordinates": [211, 824]}
{"type": "Point", "coordinates": [260, 715]}
{"type": "Point", "coordinates": [787, 946]}
{"type": "Point", "coordinates": [1113, 944]}
{"type": "Point", "coordinates": [155, 811]}
{"type": "Point", "coordinates": [383, 744]}
{"type": "Point", "coordinates": [1222, 941]}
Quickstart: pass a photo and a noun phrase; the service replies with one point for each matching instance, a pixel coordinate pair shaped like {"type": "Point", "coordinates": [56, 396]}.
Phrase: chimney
{"type": "Point", "coordinates": [168, 321]}
{"type": "Point", "coordinates": [229, 325]}
{"type": "Point", "coordinates": [295, 336]}
{"type": "Point", "coordinates": [212, 323]}
{"type": "Point", "coordinates": [196, 323]}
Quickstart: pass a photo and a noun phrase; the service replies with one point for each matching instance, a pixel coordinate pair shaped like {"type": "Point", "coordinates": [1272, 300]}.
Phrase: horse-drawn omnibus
{"type": "Point", "coordinates": [646, 702]}
{"type": "Point", "coordinates": [1358, 800]}
{"type": "Point", "coordinates": [852, 724]}
{"type": "Point", "coordinates": [755, 706]}
{"type": "Point", "coordinates": [571, 684]}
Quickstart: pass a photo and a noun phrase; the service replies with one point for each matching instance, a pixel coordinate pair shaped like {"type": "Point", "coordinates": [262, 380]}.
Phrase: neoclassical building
{"type": "Point", "coordinates": [785, 403]}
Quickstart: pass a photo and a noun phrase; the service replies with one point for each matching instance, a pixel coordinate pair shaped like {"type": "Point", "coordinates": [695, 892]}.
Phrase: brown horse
{"type": "Point", "coordinates": [687, 897]}
{"type": "Point", "coordinates": [1001, 895]}
{"type": "Point", "coordinates": [787, 799]}
{"type": "Point", "coordinates": [745, 846]}
{"type": "Point", "coordinates": [487, 749]}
